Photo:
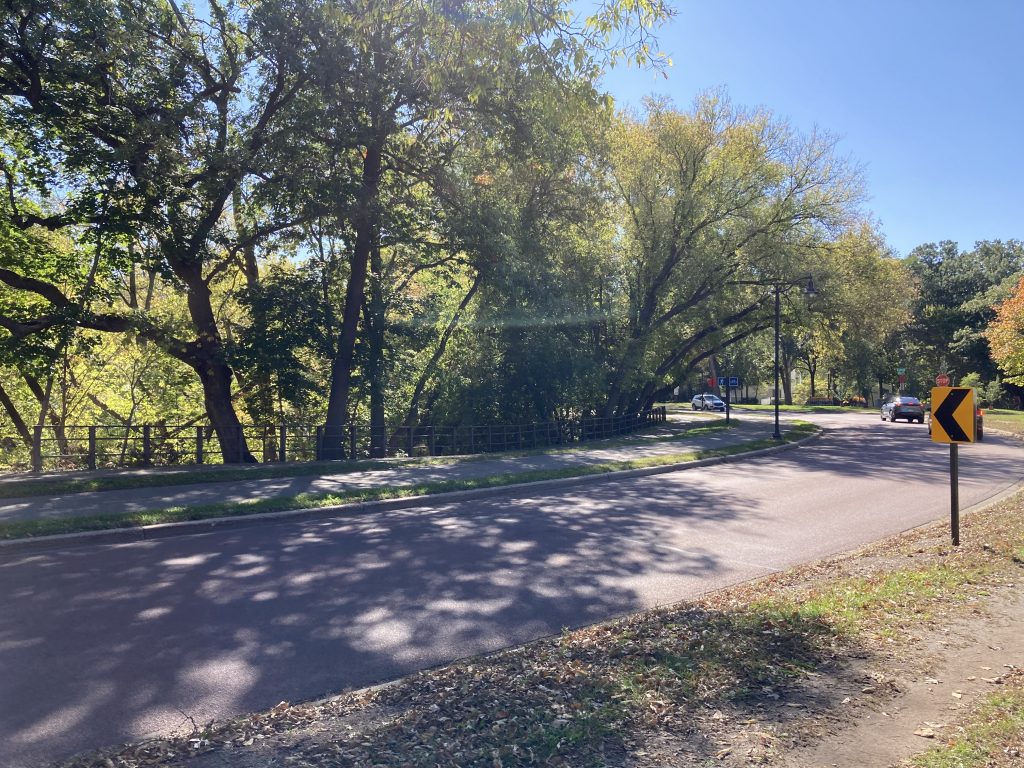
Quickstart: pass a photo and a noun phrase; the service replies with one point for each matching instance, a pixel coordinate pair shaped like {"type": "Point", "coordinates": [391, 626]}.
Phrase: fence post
{"type": "Point", "coordinates": [199, 445]}
{"type": "Point", "coordinates": [92, 447]}
{"type": "Point", "coordinates": [319, 443]}
{"type": "Point", "coordinates": [409, 441]}
{"type": "Point", "coordinates": [352, 441]}
{"type": "Point", "coordinates": [147, 448]}
{"type": "Point", "coordinates": [282, 444]}
{"type": "Point", "coordinates": [432, 440]}
{"type": "Point", "coordinates": [241, 443]}
{"type": "Point", "coordinates": [37, 448]}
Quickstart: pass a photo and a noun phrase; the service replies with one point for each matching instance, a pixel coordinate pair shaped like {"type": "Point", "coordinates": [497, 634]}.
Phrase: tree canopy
{"type": "Point", "coordinates": [345, 211]}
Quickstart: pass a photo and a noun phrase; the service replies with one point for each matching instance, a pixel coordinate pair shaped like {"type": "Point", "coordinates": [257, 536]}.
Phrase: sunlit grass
{"type": "Point", "coordinates": [1007, 421]}
{"type": "Point", "coordinates": [993, 738]}
{"type": "Point", "coordinates": [882, 604]}
{"type": "Point", "coordinates": [48, 527]}
{"type": "Point", "coordinates": [219, 474]}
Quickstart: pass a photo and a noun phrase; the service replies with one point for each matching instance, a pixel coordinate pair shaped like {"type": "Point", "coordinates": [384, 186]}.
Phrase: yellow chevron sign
{"type": "Point", "coordinates": [952, 415]}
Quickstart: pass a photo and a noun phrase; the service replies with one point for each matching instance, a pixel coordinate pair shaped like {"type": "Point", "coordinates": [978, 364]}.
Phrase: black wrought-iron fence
{"type": "Point", "coordinates": [144, 445]}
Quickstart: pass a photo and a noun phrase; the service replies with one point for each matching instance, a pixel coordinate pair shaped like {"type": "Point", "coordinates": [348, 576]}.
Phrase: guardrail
{"type": "Point", "coordinates": [146, 445]}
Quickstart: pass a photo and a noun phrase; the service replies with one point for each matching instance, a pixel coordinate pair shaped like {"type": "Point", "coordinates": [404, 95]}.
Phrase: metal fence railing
{"type": "Point", "coordinates": [146, 445]}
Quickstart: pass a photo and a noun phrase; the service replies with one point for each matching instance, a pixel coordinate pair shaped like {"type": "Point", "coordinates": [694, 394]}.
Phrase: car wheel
{"type": "Point", "coordinates": [883, 417]}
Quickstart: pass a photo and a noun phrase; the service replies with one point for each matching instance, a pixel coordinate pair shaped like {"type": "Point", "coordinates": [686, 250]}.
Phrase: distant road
{"type": "Point", "coordinates": [109, 643]}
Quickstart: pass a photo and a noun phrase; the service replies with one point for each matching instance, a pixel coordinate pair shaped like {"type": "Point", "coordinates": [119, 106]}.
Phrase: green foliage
{"type": "Point", "coordinates": [421, 214]}
{"type": "Point", "coordinates": [957, 291]}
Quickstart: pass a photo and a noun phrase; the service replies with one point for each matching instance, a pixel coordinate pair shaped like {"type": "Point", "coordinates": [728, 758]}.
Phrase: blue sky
{"type": "Point", "coordinates": [927, 96]}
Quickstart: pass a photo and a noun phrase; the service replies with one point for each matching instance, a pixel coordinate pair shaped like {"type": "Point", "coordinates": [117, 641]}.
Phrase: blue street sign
{"type": "Point", "coordinates": [723, 381]}
{"type": "Point", "coordinates": [734, 381]}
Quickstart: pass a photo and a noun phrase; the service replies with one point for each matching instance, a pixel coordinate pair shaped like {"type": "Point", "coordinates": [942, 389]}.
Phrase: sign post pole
{"type": "Point", "coordinates": [954, 492]}
{"type": "Point", "coordinates": [727, 388]}
{"type": "Point", "coordinates": [953, 422]}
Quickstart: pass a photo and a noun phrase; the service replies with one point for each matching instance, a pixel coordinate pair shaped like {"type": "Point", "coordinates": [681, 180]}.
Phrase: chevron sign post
{"type": "Point", "coordinates": [953, 422]}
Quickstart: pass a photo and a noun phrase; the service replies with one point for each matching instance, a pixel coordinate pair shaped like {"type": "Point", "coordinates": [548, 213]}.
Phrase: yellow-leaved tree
{"type": "Point", "coordinates": [1005, 336]}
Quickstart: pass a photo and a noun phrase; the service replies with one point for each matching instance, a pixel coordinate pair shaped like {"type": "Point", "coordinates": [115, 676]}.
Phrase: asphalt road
{"type": "Point", "coordinates": [103, 644]}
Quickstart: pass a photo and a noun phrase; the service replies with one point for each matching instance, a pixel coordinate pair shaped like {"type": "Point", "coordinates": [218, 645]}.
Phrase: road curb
{"type": "Point", "coordinates": [215, 524]}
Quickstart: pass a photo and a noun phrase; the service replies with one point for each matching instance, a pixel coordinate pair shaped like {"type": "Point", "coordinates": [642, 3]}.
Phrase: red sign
{"type": "Point", "coordinates": [942, 380]}
{"type": "Point", "coordinates": [711, 382]}
{"type": "Point", "coordinates": [903, 379]}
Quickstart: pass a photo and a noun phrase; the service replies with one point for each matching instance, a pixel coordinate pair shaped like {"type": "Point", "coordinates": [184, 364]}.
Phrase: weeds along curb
{"type": "Point", "coordinates": [215, 524]}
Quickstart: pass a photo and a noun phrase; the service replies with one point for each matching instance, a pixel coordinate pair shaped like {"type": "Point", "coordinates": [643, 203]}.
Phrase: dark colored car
{"type": "Point", "coordinates": [707, 402]}
{"type": "Point", "coordinates": [903, 407]}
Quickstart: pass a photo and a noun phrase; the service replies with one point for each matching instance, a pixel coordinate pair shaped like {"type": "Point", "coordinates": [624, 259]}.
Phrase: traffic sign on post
{"type": "Point", "coordinates": [734, 381]}
{"type": "Point", "coordinates": [953, 415]}
{"type": "Point", "coordinates": [942, 380]}
{"type": "Point", "coordinates": [953, 422]}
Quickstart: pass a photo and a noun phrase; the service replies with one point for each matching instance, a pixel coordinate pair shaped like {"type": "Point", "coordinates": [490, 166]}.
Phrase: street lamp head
{"type": "Point", "coordinates": [809, 290]}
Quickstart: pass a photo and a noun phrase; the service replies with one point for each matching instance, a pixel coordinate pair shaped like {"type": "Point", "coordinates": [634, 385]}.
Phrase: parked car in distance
{"type": "Point", "coordinates": [903, 407]}
{"type": "Point", "coordinates": [707, 402]}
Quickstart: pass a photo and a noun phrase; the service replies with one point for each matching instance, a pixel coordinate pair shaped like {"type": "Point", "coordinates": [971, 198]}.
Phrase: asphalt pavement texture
{"type": "Point", "coordinates": [108, 643]}
{"type": "Point", "coordinates": [139, 499]}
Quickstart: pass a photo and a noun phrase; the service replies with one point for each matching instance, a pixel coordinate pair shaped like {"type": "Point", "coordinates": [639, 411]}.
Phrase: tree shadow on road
{"type": "Point", "coordinates": [104, 644]}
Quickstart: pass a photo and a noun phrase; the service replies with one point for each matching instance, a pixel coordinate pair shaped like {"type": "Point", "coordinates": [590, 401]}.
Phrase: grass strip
{"type": "Point", "coordinates": [48, 527]}
{"type": "Point", "coordinates": [807, 408]}
{"type": "Point", "coordinates": [59, 486]}
{"type": "Point", "coordinates": [1007, 421]}
{"type": "Point", "coordinates": [992, 738]}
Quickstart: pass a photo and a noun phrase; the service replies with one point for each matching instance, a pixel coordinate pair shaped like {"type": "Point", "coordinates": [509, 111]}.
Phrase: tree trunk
{"type": "Point", "coordinates": [367, 221]}
{"type": "Point", "coordinates": [374, 318]}
{"type": "Point", "coordinates": [210, 364]}
{"type": "Point", "coordinates": [12, 413]}
{"type": "Point", "coordinates": [47, 412]}
{"type": "Point", "coordinates": [412, 414]}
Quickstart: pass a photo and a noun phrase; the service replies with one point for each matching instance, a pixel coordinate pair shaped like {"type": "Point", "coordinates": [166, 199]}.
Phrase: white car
{"type": "Point", "coordinates": [707, 402]}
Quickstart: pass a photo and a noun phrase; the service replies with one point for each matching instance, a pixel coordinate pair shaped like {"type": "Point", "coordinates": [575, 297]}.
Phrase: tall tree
{"type": "Point", "coordinates": [719, 205]}
{"type": "Point", "coordinates": [148, 118]}
{"type": "Point", "coordinates": [1005, 335]}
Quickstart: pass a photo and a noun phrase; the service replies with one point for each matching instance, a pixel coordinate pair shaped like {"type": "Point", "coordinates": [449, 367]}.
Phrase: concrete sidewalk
{"type": "Point", "coordinates": [115, 502]}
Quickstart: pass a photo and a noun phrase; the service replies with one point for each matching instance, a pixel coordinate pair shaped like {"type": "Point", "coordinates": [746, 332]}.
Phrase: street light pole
{"type": "Point", "coordinates": [810, 291]}
{"type": "Point", "coordinates": [777, 435]}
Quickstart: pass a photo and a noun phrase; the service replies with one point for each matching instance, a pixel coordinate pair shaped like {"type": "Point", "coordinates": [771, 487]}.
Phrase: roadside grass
{"type": "Point", "coordinates": [685, 408]}
{"type": "Point", "coordinates": [18, 529]}
{"type": "Point", "coordinates": [729, 671]}
{"type": "Point", "coordinates": [883, 604]}
{"type": "Point", "coordinates": [1007, 421]}
{"type": "Point", "coordinates": [220, 474]}
{"type": "Point", "coordinates": [808, 408]}
{"type": "Point", "coordinates": [993, 736]}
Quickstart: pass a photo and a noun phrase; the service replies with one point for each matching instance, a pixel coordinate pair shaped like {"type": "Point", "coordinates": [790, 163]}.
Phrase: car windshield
{"type": "Point", "coordinates": [909, 401]}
